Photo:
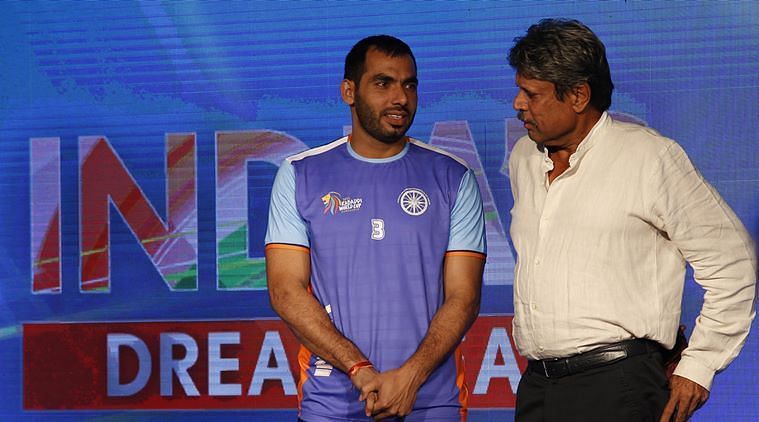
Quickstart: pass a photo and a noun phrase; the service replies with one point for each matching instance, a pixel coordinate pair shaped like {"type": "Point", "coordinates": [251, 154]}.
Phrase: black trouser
{"type": "Point", "coordinates": [633, 389]}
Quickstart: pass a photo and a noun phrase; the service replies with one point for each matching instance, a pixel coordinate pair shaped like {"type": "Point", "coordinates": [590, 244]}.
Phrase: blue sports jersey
{"type": "Point", "coordinates": [377, 231]}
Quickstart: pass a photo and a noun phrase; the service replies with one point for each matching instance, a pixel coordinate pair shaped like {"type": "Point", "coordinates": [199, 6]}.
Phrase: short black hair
{"type": "Point", "coordinates": [566, 53]}
{"type": "Point", "coordinates": [356, 58]}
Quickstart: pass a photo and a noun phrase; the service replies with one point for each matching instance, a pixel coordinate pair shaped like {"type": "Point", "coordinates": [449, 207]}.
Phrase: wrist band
{"type": "Point", "coordinates": [354, 369]}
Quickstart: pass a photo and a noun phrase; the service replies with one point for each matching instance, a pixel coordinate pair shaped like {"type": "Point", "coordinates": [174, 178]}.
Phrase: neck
{"type": "Point", "coordinates": [568, 145]}
{"type": "Point", "coordinates": [368, 147]}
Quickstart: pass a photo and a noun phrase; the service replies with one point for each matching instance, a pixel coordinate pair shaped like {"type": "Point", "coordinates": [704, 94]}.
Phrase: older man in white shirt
{"type": "Point", "coordinates": [605, 216]}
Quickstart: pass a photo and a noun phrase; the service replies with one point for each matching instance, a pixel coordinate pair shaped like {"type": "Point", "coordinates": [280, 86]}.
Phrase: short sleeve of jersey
{"type": "Point", "coordinates": [467, 218]}
{"type": "Point", "coordinates": [285, 223]}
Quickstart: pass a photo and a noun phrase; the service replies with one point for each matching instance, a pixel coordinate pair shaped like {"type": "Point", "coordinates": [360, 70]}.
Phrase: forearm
{"type": "Point", "coordinates": [446, 330]}
{"type": "Point", "coordinates": [288, 274]}
{"type": "Point", "coordinates": [718, 336]}
{"type": "Point", "coordinates": [724, 264]}
{"type": "Point", "coordinates": [311, 325]}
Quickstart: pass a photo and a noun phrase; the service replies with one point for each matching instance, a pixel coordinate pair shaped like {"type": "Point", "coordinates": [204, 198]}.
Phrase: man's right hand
{"type": "Point", "coordinates": [359, 380]}
{"type": "Point", "coordinates": [392, 393]}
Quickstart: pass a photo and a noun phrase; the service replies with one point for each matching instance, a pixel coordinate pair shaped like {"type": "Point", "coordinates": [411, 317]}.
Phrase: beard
{"type": "Point", "coordinates": [370, 121]}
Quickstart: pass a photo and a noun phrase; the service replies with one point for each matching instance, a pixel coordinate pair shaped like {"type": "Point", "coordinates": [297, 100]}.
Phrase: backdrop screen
{"type": "Point", "coordinates": [139, 142]}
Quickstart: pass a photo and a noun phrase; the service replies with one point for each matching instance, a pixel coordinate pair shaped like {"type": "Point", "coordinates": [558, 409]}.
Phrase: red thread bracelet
{"type": "Point", "coordinates": [354, 369]}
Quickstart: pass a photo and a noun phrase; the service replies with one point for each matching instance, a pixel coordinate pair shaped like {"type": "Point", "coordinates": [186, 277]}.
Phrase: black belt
{"type": "Point", "coordinates": [561, 367]}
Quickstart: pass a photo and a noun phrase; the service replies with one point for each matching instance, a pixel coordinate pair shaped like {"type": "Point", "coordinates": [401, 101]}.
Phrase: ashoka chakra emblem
{"type": "Point", "coordinates": [413, 201]}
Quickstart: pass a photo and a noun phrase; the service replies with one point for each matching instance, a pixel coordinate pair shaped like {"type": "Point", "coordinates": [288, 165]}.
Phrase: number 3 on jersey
{"type": "Point", "coordinates": [378, 229]}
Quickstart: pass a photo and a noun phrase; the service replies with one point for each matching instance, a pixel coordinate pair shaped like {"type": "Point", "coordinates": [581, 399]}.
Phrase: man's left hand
{"type": "Point", "coordinates": [396, 393]}
{"type": "Point", "coordinates": [685, 397]}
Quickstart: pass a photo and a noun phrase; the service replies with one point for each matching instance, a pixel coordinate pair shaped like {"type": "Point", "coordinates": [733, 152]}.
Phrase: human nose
{"type": "Point", "coordinates": [520, 101]}
{"type": "Point", "coordinates": [400, 96]}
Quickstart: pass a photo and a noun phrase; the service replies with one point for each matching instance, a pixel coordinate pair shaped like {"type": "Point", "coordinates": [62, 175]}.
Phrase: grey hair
{"type": "Point", "coordinates": [566, 53]}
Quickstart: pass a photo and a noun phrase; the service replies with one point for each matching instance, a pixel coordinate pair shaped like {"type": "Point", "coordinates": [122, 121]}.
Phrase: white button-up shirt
{"type": "Point", "coordinates": [601, 250]}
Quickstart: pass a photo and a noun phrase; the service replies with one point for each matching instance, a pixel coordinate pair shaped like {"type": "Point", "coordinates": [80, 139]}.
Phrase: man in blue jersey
{"type": "Point", "coordinates": [374, 256]}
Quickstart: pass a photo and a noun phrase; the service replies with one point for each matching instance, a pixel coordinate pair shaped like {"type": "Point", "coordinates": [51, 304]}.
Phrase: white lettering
{"type": "Point", "coordinates": [350, 204]}
{"type": "Point", "coordinates": [179, 367]}
{"type": "Point", "coordinates": [378, 229]}
{"type": "Point", "coordinates": [115, 342]}
{"type": "Point", "coordinates": [217, 364]}
{"type": "Point", "coordinates": [281, 371]}
{"type": "Point", "coordinates": [499, 340]}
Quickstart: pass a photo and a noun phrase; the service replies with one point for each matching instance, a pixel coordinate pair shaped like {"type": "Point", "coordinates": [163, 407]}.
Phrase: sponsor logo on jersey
{"type": "Point", "coordinates": [413, 201]}
{"type": "Point", "coordinates": [335, 203]}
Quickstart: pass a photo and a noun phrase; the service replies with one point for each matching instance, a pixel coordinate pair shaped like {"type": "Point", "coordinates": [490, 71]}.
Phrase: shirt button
{"type": "Point", "coordinates": [540, 348]}
{"type": "Point", "coordinates": [537, 261]}
{"type": "Point", "coordinates": [533, 306]}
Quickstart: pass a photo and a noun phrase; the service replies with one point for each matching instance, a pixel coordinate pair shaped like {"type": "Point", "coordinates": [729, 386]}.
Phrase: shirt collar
{"type": "Point", "coordinates": [586, 144]}
{"type": "Point", "coordinates": [590, 139]}
{"type": "Point", "coordinates": [397, 156]}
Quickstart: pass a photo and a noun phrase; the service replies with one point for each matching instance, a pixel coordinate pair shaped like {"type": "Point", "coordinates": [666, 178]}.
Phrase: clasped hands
{"type": "Point", "coordinates": [387, 394]}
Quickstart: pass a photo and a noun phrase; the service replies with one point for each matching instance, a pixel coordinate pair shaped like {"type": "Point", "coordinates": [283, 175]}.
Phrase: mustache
{"type": "Point", "coordinates": [520, 116]}
{"type": "Point", "coordinates": [396, 109]}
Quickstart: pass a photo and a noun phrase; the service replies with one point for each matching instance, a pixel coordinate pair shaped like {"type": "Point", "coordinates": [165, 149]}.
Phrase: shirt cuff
{"type": "Point", "coordinates": [695, 371]}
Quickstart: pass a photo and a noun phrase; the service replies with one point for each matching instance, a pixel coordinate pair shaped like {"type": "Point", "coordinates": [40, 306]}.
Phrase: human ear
{"type": "Point", "coordinates": [580, 97]}
{"type": "Point", "coordinates": [347, 91]}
